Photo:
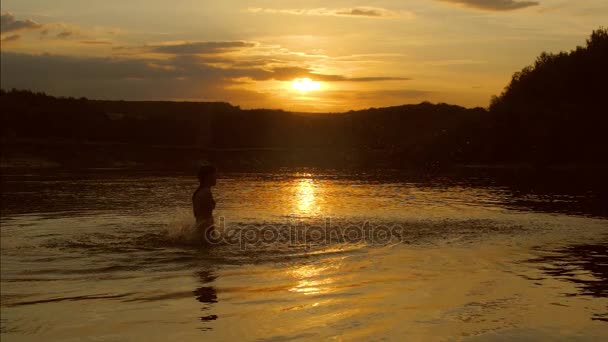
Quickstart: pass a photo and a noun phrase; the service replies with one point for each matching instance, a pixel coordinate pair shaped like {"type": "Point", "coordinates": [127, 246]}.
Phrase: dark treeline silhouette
{"type": "Point", "coordinates": [397, 136]}
{"type": "Point", "coordinates": [556, 111]}
{"type": "Point", "coordinates": [551, 113]}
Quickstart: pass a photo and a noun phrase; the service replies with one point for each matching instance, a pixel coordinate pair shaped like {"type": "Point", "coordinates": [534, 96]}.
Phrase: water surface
{"type": "Point", "coordinates": [99, 256]}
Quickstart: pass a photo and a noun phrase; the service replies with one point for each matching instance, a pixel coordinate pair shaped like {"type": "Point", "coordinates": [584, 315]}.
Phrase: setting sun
{"type": "Point", "coordinates": [303, 170]}
{"type": "Point", "coordinates": [306, 84]}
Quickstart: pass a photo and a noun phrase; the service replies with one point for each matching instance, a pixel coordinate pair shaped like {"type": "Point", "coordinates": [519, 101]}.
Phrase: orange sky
{"type": "Point", "coordinates": [357, 54]}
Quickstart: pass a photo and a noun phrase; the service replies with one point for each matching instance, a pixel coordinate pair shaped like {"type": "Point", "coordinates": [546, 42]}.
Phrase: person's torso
{"type": "Point", "coordinates": [203, 204]}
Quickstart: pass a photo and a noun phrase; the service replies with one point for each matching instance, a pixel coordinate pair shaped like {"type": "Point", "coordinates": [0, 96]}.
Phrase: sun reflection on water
{"type": "Point", "coordinates": [306, 196]}
{"type": "Point", "coordinates": [311, 279]}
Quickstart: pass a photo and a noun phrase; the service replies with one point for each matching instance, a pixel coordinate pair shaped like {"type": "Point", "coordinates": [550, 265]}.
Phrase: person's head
{"type": "Point", "coordinates": [206, 175]}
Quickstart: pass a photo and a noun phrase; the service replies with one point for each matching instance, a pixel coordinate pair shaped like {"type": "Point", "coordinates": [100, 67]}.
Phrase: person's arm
{"type": "Point", "coordinates": [194, 203]}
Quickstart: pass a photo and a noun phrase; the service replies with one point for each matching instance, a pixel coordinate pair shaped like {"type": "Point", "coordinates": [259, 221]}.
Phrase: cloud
{"type": "Point", "coordinates": [189, 48]}
{"type": "Point", "coordinates": [49, 30]}
{"type": "Point", "coordinates": [64, 34]}
{"type": "Point", "coordinates": [376, 79]}
{"type": "Point", "coordinates": [362, 12]}
{"type": "Point", "coordinates": [96, 42]}
{"type": "Point", "coordinates": [11, 38]}
{"type": "Point", "coordinates": [182, 76]}
{"type": "Point", "coordinates": [494, 5]}
{"type": "Point", "coordinates": [290, 73]}
{"type": "Point", "coordinates": [340, 78]}
{"type": "Point", "coordinates": [110, 78]}
{"type": "Point", "coordinates": [8, 23]}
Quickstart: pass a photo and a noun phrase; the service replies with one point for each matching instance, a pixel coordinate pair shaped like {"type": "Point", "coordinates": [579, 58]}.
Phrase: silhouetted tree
{"type": "Point", "coordinates": [555, 111]}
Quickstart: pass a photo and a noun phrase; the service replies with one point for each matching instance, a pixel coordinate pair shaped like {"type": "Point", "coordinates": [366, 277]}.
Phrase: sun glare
{"type": "Point", "coordinates": [306, 195]}
{"type": "Point", "coordinates": [305, 84]}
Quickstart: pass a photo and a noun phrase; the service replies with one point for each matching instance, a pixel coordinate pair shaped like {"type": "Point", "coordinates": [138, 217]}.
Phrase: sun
{"type": "Point", "coordinates": [305, 84]}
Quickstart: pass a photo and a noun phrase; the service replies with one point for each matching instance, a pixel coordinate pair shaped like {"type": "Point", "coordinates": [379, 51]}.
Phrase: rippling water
{"type": "Point", "coordinates": [98, 256]}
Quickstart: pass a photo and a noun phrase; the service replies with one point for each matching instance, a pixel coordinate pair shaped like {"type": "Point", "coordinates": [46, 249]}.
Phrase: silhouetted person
{"type": "Point", "coordinates": [203, 202]}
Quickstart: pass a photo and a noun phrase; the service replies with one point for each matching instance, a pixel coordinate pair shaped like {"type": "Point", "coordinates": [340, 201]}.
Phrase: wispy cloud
{"type": "Point", "coordinates": [11, 38]}
{"type": "Point", "coordinates": [289, 73]}
{"type": "Point", "coordinates": [494, 5]}
{"type": "Point", "coordinates": [111, 78]}
{"type": "Point", "coordinates": [49, 31]}
{"type": "Point", "coordinates": [96, 42]}
{"type": "Point", "coordinates": [64, 34]}
{"type": "Point", "coordinates": [193, 48]}
{"type": "Point", "coordinates": [24, 70]}
{"type": "Point", "coordinates": [8, 23]}
{"type": "Point", "coordinates": [361, 12]}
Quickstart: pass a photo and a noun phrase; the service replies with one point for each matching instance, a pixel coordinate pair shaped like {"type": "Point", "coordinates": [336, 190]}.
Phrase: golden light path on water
{"type": "Point", "coordinates": [310, 279]}
{"type": "Point", "coordinates": [306, 196]}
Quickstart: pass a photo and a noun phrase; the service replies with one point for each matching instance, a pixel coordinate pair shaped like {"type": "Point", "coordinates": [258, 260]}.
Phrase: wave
{"type": "Point", "coordinates": [179, 236]}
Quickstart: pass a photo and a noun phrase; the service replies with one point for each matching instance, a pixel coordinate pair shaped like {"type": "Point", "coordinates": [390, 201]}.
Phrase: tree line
{"type": "Point", "coordinates": [553, 111]}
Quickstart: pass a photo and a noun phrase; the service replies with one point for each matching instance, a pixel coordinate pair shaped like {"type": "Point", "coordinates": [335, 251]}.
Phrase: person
{"type": "Point", "coordinates": [203, 202]}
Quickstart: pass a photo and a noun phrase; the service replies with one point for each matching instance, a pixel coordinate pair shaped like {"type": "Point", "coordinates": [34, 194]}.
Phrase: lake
{"type": "Point", "coordinates": [106, 255]}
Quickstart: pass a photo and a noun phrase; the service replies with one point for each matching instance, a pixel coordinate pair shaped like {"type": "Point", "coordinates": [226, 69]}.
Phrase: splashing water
{"type": "Point", "coordinates": [182, 228]}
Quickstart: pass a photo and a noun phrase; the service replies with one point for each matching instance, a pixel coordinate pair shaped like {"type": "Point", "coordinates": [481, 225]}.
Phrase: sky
{"type": "Point", "coordinates": [313, 56]}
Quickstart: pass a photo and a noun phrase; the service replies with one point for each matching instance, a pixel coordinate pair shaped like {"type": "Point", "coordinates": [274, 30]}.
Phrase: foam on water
{"type": "Point", "coordinates": [181, 228]}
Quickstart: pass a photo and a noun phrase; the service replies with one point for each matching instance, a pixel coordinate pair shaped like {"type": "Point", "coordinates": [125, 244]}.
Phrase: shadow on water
{"type": "Point", "coordinates": [207, 295]}
{"type": "Point", "coordinates": [569, 191]}
{"type": "Point", "coordinates": [585, 265]}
